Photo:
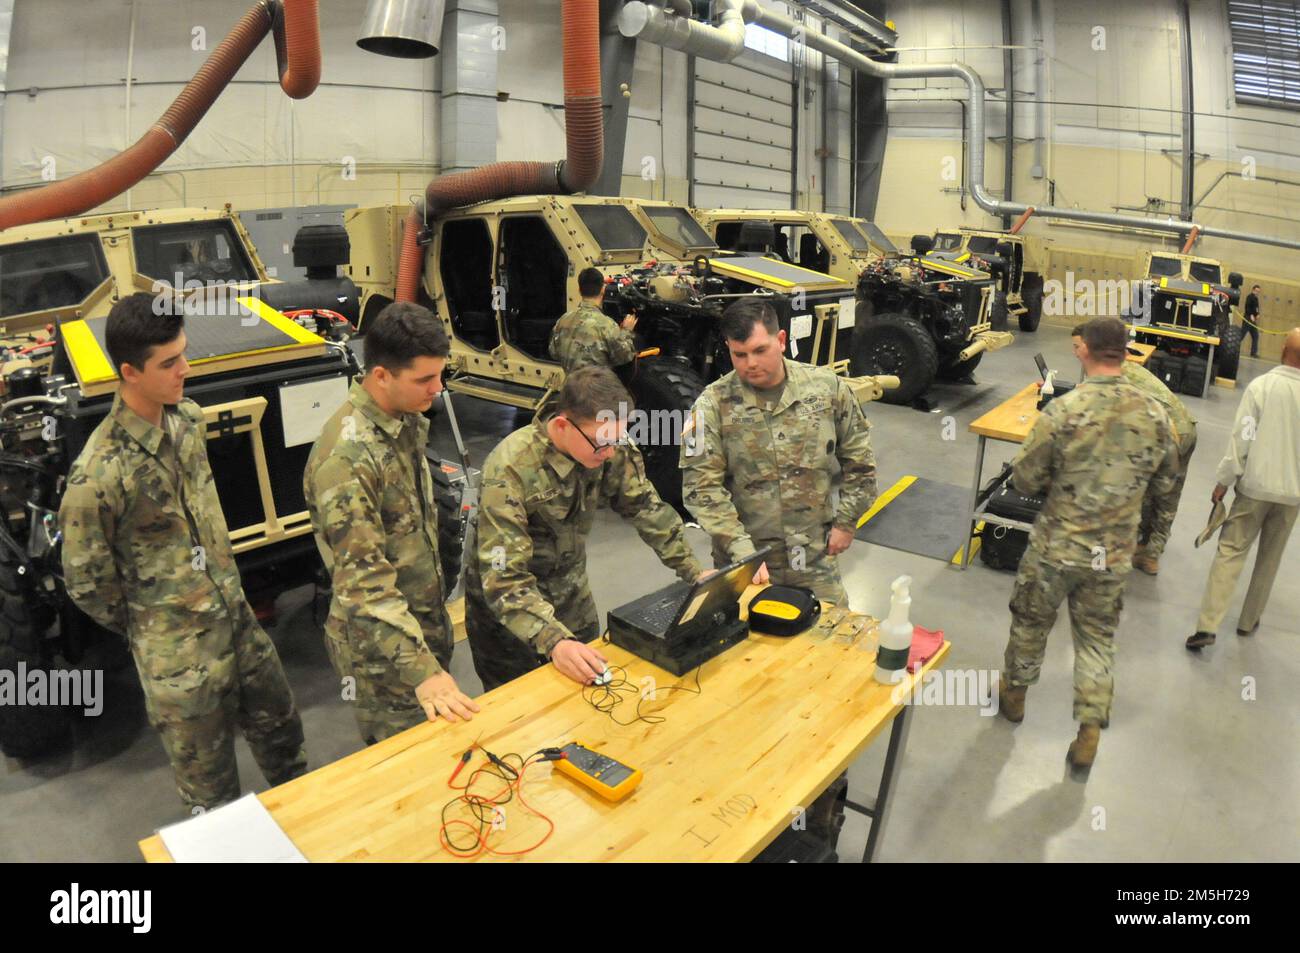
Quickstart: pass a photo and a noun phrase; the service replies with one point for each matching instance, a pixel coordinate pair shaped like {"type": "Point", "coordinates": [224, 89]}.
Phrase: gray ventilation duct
{"type": "Point", "coordinates": [408, 29]}
{"type": "Point", "coordinates": [646, 22]}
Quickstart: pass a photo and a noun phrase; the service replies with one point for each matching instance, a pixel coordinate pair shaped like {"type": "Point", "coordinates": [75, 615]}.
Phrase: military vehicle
{"type": "Point", "coordinates": [1186, 294]}
{"type": "Point", "coordinates": [501, 273]}
{"type": "Point", "coordinates": [266, 379]}
{"type": "Point", "coordinates": [1019, 282]}
{"type": "Point", "coordinates": [912, 317]}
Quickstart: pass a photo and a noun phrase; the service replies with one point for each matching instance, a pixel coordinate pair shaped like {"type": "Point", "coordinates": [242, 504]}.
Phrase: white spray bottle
{"type": "Point", "coordinates": [895, 635]}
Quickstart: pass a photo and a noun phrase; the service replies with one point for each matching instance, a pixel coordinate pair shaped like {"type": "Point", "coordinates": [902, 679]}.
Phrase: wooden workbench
{"type": "Point", "coordinates": [1139, 353]}
{"type": "Point", "coordinates": [1011, 421]}
{"type": "Point", "coordinates": [776, 722]}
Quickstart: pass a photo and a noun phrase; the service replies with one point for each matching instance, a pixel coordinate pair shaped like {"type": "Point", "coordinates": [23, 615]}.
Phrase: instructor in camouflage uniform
{"type": "Point", "coordinates": [586, 336]}
{"type": "Point", "coordinates": [757, 458]}
{"type": "Point", "coordinates": [527, 600]}
{"type": "Point", "coordinates": [146, 553]}
{"type": "Point", "coordinates": [1095, 452]}
{"type": "Point", "coordinates": [1157, 515]}
{"type": "Point", "coordinates": [370, 496]}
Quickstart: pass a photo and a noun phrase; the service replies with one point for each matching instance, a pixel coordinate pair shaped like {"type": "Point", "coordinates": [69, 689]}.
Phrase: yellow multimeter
{"type": "Point", "coordinates": [611, 779]}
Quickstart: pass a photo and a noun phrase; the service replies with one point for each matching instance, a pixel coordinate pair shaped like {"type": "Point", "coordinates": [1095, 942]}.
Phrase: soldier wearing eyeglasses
{"type": "Point", "coordinates": [527, 599]}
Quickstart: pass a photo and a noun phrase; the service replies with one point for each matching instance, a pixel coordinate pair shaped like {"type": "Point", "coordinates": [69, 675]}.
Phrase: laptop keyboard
{"type": "Point", "coordinates": [660, 616]}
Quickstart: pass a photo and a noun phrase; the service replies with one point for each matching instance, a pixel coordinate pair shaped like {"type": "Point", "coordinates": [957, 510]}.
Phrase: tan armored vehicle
{"type": "Point", "coordinates": [1019, 279]}
{"type": "Point", "coordinates": [501, 273]}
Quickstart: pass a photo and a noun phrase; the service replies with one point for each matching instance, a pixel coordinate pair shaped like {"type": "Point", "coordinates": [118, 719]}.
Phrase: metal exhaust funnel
{"type": "Point", "coordinates": [408, 29]}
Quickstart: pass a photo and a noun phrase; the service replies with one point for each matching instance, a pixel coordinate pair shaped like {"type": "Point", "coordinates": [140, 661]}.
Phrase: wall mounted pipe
{"type": "Point", "coordinates": [700, 39]}
{"type": "Point", "coordinates": [297, 46]}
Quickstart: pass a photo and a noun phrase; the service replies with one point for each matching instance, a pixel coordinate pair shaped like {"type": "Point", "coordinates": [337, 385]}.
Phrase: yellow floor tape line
{"type": "Point", "coordinates": [974, 546]}
{"type": "Point", "coordinates": [884, 499]}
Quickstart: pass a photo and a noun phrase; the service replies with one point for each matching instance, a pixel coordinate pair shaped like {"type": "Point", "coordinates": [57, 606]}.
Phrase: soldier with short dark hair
{"type": "Point", "coordinates": [1157, 515]}
{"type": "Point", "coordinates": [370, 496]}
{"type": "Point", "coordinates": [1095, 453]}
{"type": "Point", "coordinates": [527, 599]}
{"type": "Point", "coordinates": [147, 554]}
{"type": "Point", "coordinates": [757, 462]}
{"type": "Point", "coordinates": [586, 336]}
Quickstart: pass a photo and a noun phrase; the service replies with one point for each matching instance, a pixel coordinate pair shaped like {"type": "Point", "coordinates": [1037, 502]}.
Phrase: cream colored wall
{"type": "Point", "coordinates": [1108, 115]}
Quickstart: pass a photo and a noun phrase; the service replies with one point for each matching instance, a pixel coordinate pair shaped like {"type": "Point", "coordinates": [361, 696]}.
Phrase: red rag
{"type": "Point", "coordinates": [924, 644]}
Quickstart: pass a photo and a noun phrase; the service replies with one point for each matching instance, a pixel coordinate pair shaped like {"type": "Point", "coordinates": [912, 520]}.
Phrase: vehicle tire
{"type": "Point", "coordinates": [898, 345]}
{"type": "Point", "coordinates": [665, 385]}
{"type": "Point", "coordinates": [451, 531]}
{"type": "Point", "coordinates": [26, 731]}
{"type": "Point", "coordinates": [959, 370]}
{"type": "Point", "coordinates": [1227, 356]}
{"type": "Point", "coordinates": [1031, 293]}
{"type": "Point", "coordinates": [998, 312]}
{"type": "Point", "coordinates": [1194, 376]}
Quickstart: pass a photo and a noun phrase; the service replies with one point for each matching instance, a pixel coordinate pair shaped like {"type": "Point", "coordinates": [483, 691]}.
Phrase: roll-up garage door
{"type": "Point", "coordinates": [743, 133]}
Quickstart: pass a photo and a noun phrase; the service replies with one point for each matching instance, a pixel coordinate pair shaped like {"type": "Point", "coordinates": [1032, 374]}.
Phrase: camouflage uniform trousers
{"type": "Point", "coordinates": [383, 705]}
{"type": "Point", "coordinates": [197, 722]}
{"type": "Point", "coordinates": [500, 656]}
{"type": "Point", "coordinates": [1153, 531]}
{"type": "Point", "coordinates": [821, 573]}
{"type": "Point", "coordinates": [1095, 601]}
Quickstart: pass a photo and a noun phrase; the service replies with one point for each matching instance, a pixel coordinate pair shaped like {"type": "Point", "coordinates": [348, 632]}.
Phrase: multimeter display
{"type": "Point", "coordinates": [607, 771]}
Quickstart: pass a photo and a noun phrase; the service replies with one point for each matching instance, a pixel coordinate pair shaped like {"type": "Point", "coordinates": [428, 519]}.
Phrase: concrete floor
{"type": "Point", "coordinates": [1187, 771]}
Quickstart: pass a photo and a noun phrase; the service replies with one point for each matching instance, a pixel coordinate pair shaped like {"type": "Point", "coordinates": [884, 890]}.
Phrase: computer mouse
{"type": "Point", "coordinates": [604, 678]}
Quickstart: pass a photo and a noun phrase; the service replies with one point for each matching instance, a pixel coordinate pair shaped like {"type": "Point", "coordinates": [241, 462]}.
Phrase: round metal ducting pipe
{"type": "Point", "coordinates": [407, 29]}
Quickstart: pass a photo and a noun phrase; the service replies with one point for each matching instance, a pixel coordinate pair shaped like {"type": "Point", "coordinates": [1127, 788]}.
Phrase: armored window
{"type": "Point", "coordinates": [857, 241]}
{"type": "Point", "coordinates": [1165, 267]}
{"type": "Point", "coordinates": [676, 225]}
{"type": "Point", "coordinates": [199, 252]}
{"type": "Point", "coordinates": [54, 273]}
{"type": "Point", "coordinates": [1205, 271]}
{"type": "Point", "coordinates": [613, 227]}
{"type": "Point", "coordinates": [876, 237]}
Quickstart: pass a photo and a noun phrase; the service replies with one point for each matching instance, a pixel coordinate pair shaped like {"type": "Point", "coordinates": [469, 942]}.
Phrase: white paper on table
{"type": "Point", "coordinates": [242, 832]}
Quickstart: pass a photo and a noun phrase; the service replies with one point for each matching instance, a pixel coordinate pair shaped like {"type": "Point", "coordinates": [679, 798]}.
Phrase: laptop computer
{"type": "Point", "coordinates": [684, 624]}
{"type": "Point", "coordinates": [672, 612]}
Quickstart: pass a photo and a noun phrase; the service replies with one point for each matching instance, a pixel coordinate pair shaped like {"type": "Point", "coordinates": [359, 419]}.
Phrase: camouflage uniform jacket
{"type": "Point", "coordinates": [146, 551]}
{"type": "Point", "coordinates": [534, 517]}
{"type": "Point", "coordinates": [755, 477]}
{"type": "Point", "coordinates": [1093, 452]}
{"type": "Point", "coordinates": [1180, 417]}
{"type": "Point", "coordinates": [586, 336]}
{"type": "Point", "coordinates": [370, 496]}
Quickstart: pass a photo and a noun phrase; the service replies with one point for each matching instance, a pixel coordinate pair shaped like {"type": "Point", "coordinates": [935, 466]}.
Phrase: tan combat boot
{"type": "Point", "coordinates": [1083, 749]}
{"type": "Point", "coordinates": [1147, 564]}
{"type": "Point", "coordinates": [1011, 702]}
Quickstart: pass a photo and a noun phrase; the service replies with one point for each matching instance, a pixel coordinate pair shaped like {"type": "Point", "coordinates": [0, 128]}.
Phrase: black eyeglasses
{"type": "Point", "coordinates": [598, 447]}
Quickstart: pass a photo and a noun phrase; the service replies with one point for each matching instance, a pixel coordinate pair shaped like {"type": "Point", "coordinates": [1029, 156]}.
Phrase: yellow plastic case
{"type": "Point", "coordinates": [598, 772]}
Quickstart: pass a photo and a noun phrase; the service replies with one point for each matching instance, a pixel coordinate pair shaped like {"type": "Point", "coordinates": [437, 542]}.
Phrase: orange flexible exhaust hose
{"type": "Point", "coordinates": [297, 38]}
{"type": "Point", "coordinates": [584, 134]}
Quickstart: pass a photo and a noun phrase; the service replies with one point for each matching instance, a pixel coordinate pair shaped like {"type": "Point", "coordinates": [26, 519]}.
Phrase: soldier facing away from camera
{"type": "Point", "coordinates": [758, 456]}
{"type": "Point", "coordinates": [370, 496]}
{"type": "Point", "coordinates": [1157, 515]}
{"type": "Point", "coordinates": [586, 336]}
{"type": "Point", "coordinates": [527, 599]}
{"type": "Point", "coordinates": [147, 554]}
{"type": "Point", "coordinates": [1095, 453]}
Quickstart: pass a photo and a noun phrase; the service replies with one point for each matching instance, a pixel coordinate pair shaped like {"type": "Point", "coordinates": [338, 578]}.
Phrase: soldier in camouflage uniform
{"type": "Point", "coordinates": [586, 336]}
{"type": "Point", "coordinates": [1095, 453]}
{"type": "Point", "coordinates": [757, 457]}
{"type": "Point", "coordinates": [526, 595]}
{"type": "Point", "coordinates": [146, 553]}
{"type": "Point", "coordinates": [1157, 516]}
{"type": "Point", "coordinates": [370, 496]}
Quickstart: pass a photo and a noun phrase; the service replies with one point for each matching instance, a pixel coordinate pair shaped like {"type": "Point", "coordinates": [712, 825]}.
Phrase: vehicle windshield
{"type": "Point", "coordinates": [946, 241]}
{"type": "Point", "coordinates": [1205, 271]}
{"type": "Point", "coordinates": [191, 251]}
{"type": "Point", "coordinates": [857, 241]}
{"type": "Point", "coordinates": [983, 245]}
{"type": "Point", "coordinates": [877, 237]}
{"type": "Point", "coordinates": [1162, 267]}
{"type": "Point", "coordinates": [676, 225]}
{"type": "Point", "coordinates": [613, 227]}
{"type": "Point", "coordinates": [56, 273]}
